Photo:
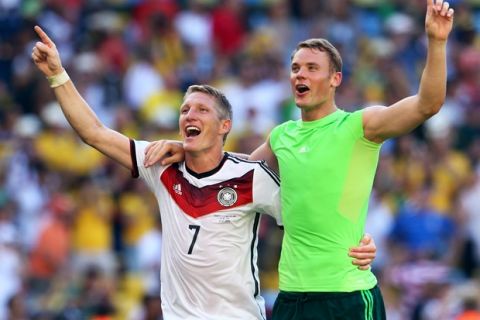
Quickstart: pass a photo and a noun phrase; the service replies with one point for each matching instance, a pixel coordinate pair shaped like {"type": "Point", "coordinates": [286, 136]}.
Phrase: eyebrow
{"type": "Point", "coordinates": [194, 105]}
{"type": "Point", "coordinates": [308, 64]}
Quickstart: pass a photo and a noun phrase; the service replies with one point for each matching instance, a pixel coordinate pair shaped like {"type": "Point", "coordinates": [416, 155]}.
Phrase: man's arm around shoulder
{"type": "Point", "coordinates": [265, 152]}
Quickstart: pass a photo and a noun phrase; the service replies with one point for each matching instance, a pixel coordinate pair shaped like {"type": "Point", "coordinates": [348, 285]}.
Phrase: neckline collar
{"type": "Point", "coordinates": [332, 117]}
{"type": "Point", "coordinates": [208, 173]}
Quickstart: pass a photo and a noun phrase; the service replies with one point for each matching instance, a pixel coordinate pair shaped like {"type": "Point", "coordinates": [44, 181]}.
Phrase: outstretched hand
{"type": "Point", "coordinates": [164, 152]}
{"type": "Point", "coordinates": [438, 20]}
{"type": "Point", "coordinates": [365, 253]}
{"type": "Point", "coordinates": [45, 54]}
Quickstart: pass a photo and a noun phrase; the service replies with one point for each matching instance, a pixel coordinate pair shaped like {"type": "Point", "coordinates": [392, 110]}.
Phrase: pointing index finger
{"type": "Point", "coordinates": [43, 36]}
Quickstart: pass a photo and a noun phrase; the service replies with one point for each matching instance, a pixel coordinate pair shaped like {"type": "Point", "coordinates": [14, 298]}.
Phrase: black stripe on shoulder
{"type": "Point", "coordinates": [133, 157]}
{"type": "Point", "coordinates": [232, 158]}
{"type": "Point", "coordinates": [270, 172]}
{"type": "Point", "coordinates": [238, 159]}
{"type": "Point", "coordinates": [262, 164]}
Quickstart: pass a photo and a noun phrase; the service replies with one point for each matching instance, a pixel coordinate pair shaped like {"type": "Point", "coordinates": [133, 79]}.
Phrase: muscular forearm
{"type": "Point", "coordinates": [76, 110]}
{"type": "Point", "coordinates": [432, 88]}
{"type": "Point", "coordinates": [80, 116]}
{"type": "Point", "coordinates": [381, 123]}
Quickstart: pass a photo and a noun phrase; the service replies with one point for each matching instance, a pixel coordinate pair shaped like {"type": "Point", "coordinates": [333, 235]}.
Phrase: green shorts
{"type": "Point", "coordinates": [356, 305]}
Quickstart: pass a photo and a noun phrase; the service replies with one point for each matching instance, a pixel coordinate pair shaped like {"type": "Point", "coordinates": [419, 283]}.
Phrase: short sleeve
{"type": "Point", "coordinates": [266, 192]}
{"type": "Point", "coordinates": [150, 175]}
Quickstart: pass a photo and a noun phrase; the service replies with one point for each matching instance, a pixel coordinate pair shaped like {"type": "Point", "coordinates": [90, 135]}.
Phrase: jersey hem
{"type": "Point", "coordinates": [328, 289]}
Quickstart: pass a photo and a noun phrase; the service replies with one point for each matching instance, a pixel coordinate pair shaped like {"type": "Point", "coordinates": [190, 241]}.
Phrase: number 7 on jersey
{"type": "Point", "coordinates": [197, 229]}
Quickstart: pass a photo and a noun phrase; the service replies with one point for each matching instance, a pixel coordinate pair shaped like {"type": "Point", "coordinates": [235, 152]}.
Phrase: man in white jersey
{"type": "Point", "coordinates": [210, 206]}
{"type": "Point", "coordinates": [210, 203]}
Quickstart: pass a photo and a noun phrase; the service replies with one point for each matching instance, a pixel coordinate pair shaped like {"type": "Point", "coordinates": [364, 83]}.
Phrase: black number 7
{"type": "Point", "coordinates": [197, 228]}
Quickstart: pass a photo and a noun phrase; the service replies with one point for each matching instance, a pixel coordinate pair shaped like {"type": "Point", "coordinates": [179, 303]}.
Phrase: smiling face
{"type": "Point", "coordinates": [312, 79]}
{"type": "Point", "coordinates": [201, 125]}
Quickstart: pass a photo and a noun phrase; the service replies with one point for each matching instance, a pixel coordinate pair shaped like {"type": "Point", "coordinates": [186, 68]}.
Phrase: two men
{"type": "Point", "coordinates": [327, 163]}
{"type": "Point", "coordinates": [210, 203]}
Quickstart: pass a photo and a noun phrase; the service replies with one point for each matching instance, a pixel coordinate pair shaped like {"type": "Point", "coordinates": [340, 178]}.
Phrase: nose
{"type": "Point", "coordinates": [300, 73]}
{"type": "Point", "coordinates": [190, 114]}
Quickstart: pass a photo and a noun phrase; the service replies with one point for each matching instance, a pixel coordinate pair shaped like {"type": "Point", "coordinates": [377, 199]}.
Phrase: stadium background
{"type": "Point", "coordinates": [79, 238]}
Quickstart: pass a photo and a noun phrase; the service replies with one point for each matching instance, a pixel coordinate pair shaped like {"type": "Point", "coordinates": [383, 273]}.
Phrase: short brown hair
{"type": "Point", "coordinates": [324, 46]}
{"type": "Point", "coordinates": [223, 106]}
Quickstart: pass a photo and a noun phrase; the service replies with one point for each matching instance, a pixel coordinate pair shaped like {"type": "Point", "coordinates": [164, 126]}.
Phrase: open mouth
{"type": "Point", "coordinates": [192, 131]}
{"type": "Point", "coordinates": [301, 88]}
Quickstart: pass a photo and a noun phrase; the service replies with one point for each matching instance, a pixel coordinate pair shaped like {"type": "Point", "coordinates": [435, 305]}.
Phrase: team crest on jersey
{"type": "Point", "coordinates": [177, 188]}
{"type": "Point", "coordinates": [227, 197]}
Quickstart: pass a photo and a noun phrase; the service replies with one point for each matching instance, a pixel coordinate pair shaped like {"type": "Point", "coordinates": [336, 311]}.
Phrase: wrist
{"type": "Point", "coordinates": [58, 79]}
{"type": "Point", "coordinates": [437, 41]}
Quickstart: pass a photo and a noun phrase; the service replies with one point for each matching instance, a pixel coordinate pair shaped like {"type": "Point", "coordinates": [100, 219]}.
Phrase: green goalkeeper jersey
{"type": "Point", "coordinates": [327, 169]}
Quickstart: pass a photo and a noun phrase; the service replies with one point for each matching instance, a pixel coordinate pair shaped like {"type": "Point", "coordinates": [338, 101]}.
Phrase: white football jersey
{"type": "Point", "coordinates": [210, 225]}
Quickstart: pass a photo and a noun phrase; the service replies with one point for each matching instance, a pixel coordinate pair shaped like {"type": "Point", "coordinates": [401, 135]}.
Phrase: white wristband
{"type": "Point", "coordinates": [58, 79]}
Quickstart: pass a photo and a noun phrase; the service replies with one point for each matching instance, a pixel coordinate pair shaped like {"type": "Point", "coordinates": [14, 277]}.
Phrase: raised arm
{"type": "Point", "coordinates": [381, 123]}
{"type": "Point", "coordinates": [80, 116]}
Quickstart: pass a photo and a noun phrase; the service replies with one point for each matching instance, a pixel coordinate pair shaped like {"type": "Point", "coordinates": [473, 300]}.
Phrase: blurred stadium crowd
{"type": "Point", "coordinates": [80, 239]}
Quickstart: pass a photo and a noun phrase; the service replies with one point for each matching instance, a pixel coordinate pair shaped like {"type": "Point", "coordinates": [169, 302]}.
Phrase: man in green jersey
{"type": "Point", "coordinates": [327, 162]}
{"type": "Point", "coordinates": [324, 210]}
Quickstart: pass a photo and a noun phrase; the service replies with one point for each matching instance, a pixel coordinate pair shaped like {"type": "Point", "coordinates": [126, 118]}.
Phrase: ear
{"type": "Point", "coordinates": [225, 126]}
{"type": "Point", "coordinates": [336, 79]}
